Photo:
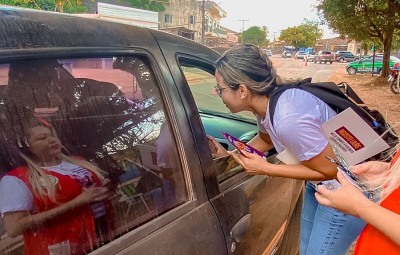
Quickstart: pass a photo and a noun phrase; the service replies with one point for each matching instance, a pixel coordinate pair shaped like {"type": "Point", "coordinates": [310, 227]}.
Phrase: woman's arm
{"type": "Point", "coordinates": [261, 142]}
{"type": "Point", "coordinates": [352, 201]}
{"type": "Point", "coordinates": [16, 223]}
{"type": "Point", "coordinates": [318, 168]}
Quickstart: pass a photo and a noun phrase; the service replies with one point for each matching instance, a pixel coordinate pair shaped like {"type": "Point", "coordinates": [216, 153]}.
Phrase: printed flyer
{"type": "Point", "coordinates": [354, 139]}
{"type": "Point", "coordinates": [242, 146]}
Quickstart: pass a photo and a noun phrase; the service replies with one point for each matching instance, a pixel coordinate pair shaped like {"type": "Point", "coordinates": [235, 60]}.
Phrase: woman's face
{"type": "Point", "coordinates": [44, 143]}
{"type": "Point", "coordinates": [231, 98]}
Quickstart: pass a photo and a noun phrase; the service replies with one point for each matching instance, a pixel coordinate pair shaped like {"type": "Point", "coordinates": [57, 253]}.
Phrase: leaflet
{"type": "Point", "coordinates": [242, 146]}
{"type": "Point", "coordinates": [354, 139]}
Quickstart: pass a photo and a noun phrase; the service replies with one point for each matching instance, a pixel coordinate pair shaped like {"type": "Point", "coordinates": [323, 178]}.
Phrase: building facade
{"type": "Point", "coordinates": [185, 18]}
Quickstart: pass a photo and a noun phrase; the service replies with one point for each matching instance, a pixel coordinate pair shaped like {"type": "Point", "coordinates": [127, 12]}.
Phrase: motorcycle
{"type": "Point", "coordinates": [394, 81]}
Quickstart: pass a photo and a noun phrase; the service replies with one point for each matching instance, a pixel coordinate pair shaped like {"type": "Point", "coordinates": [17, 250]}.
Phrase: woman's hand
{"type": "Point", "coordinates": [347, 198]}
{"type": "Point", "coordinates": [217, 150]}
{"type": "Point", "coordinates": [252, 163]}
{"type": "Point", "coordinates": [93, 195]}
{"type": "Point", "coordinates": [371, 170]}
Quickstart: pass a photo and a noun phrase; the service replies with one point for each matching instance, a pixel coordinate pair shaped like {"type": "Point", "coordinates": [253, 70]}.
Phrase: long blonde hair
{"type": "Point", "coordinates": [41, 183]}
{"type": "Point", "coordinates": [389, 181]}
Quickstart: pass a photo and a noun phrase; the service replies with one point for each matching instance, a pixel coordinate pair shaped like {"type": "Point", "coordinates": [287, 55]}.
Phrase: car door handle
{"type": "Point", "coordinates": [239, 230]}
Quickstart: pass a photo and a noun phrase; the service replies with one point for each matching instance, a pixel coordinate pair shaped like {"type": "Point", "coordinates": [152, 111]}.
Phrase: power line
{"type": "Point", "coordinates": [243, 20]}
{"type": "Point", "coordinates": [241, 36]}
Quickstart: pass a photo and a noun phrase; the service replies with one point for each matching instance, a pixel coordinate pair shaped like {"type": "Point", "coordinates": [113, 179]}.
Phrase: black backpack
{"type": "Point", "coordinates": [340, 97]}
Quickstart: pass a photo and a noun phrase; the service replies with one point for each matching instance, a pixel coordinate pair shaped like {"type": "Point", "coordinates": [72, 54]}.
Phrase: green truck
{"type": "Point", "coordinates": [364, 65]}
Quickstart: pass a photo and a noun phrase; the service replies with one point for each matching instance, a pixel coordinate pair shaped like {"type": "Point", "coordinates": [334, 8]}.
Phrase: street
{"type": "Point", "coordinates": [290, 68]}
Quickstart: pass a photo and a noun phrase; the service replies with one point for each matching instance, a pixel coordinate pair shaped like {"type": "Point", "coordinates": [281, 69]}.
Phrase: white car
{"type": "Point", "coordinates": [268, 53]}
{"type": "Point", "coordinates": [300, 55]}
{"type": "Point", "coordinates": [309, 56]}
{"type": "Point", "coordinates": [286, 54]}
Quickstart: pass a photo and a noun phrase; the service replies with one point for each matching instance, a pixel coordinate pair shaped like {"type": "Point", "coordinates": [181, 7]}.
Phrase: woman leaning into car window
{"type": "Point", "coordinates": [245, 78]}
{"type": "Point", "coordinates": [59, 203]}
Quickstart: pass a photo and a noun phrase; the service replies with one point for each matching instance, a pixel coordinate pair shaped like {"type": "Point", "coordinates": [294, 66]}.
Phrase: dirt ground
{"type": "Point", "coordinates": [374, 91]}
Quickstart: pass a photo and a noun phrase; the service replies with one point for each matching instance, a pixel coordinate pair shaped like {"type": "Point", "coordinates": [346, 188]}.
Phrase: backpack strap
{"type": "Point", "coordinates": [328, 92]}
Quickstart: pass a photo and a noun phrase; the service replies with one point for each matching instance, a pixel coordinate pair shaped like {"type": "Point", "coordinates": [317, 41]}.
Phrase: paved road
{"type": "Point", "coordinates": [290, 68]}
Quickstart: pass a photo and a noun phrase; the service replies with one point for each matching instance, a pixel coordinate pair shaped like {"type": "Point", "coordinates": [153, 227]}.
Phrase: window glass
{"type": "Point", "coordinates": [215, 116]}
{"type": "Point", "coordinates": [90, 136]}
{"type": "Point", "coordinates": [168, 18]}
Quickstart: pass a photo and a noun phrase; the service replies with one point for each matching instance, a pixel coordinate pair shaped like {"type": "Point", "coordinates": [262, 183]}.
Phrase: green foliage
{"type": "Point", "coordinates": [364, 20]}
{"type": "Point", "coordinates": [396, 41]}
{"type": "Point", "coordinates": [303, 36]}
{"type": "Point", "coordinates": [361, 19]}
{"type": "Point", "coordinates": [150, 5]}
{"type": "Point", "coordinates": [67, 6]}
{"type": "Point", "coordinates": [255, 35]}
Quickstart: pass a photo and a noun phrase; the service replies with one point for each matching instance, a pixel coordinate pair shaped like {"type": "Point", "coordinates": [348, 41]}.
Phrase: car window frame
{"type": "Point", "coordinates": [239, 175]}
{"type": "Point", "coordinates": [130, 237]}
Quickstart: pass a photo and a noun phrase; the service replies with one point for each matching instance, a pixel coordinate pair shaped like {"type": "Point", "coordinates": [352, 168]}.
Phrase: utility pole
{"type": "Point", "coordinates": [316, 35]}
{"type": "Point", "coordinates": [241, 36]}
{"type": "Point", "coordinates": [203, 21]}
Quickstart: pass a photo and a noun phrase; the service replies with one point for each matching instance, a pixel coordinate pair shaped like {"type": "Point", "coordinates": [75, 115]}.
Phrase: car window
{"type": "Point", "coordinates": [215, 116]}
{"type": "Point", "coordinates": [112, 127]}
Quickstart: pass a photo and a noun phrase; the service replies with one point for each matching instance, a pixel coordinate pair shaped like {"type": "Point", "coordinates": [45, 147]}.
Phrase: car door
{"type": "Point", "coordinates": [119, 109]}
{"type": "Point", "coordinates": [364, 65]}
{"type": "Point", "coordinates": [253, 210]}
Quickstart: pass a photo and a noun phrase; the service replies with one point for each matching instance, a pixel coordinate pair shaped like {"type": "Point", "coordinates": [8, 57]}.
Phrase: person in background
{"type": "Point", "coordinates": [55, 201]}
{"type": "Point", "coordinates": [382, 234]}
{"type": "Point", "coordinates": [245, 78]}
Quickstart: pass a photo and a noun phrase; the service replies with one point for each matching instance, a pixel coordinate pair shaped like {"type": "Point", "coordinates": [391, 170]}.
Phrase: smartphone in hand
{"type": "Point", "coordinates": [242, 146]}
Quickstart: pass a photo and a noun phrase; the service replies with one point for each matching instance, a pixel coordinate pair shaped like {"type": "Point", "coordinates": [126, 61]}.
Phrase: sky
{"type": "Point", "coordinates": [276, 15]}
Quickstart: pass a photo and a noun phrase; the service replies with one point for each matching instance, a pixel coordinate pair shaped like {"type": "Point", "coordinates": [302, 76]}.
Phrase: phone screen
{"type": "Point", "coordinates": [242, 146]}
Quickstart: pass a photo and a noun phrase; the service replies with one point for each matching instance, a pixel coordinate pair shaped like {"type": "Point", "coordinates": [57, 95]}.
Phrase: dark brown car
{"type": "Point", "coordinates": [137, 103]}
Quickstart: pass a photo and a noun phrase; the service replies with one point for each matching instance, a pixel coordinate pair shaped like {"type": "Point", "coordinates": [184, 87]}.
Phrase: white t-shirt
{"type": "Point", "coordinates": [16, 196]}
{"type": "Point", "coordinates": [297, 124]}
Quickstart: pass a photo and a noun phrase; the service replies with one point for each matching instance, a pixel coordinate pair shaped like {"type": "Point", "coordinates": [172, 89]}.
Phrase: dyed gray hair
{"type": "Point", "coordinates": [247, 64]}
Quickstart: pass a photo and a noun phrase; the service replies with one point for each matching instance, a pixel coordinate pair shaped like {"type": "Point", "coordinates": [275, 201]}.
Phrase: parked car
{"type": "Point", "coordinates": [268, 53]}
{"type": "Point", "coordinates": [335, 54]}
{"type": "Point", "coordinates": [324, 56]}
{"type": "Point", "coordinates": [125, 97]}
{"type": "Point", "coordinates": [345, 56]}
{"type": "Point", "coordinates": [300, 55]}
{"type": "Point", "coordinates": [310, 56]}
{"type": "Point", "coordinates": [286, 54]}
{"type": "Point", "coordinates": [365, 65]}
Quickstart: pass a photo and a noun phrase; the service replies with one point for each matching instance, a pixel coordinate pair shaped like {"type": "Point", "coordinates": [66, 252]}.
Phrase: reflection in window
{"type": "Point", "coordinates": [86, 153]}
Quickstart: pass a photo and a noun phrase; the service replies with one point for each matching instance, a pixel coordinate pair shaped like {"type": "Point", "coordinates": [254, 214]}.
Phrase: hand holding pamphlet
{"type": "Point", "coordinates": [242, 146]}
{"type": "Point", "coordinates": [353, 141]}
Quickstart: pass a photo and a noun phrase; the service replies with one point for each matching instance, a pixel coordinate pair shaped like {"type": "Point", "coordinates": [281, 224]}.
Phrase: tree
{"type": "Point", "coordinates": [255, 35]}
{"type": "Point", "coordinates": [302, 36]}
{"type": "Point", "coordinates": [364, 20]}
{"type": "Point", "coordinates": [68, 6]}
{"type": "Point", "coordinates": [150, 5]}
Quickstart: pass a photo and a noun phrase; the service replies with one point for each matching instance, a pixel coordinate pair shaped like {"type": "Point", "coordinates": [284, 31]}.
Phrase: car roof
{"type": "Point", "coordinates": [32, 29]}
